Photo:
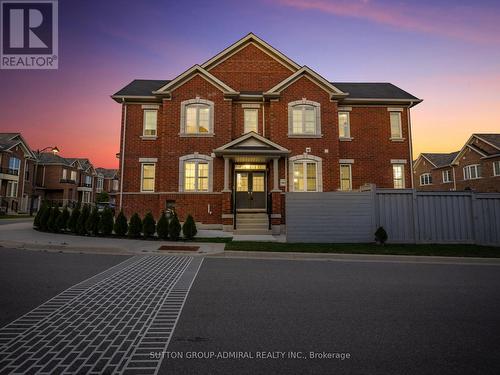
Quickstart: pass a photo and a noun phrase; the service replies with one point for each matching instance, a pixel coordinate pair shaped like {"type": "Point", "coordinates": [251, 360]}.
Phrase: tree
{"type": "Point", "coordinates": [51, 223]}
{"type": "Point", "coordinates": [62, 220]}
{"type": "Point", "coordinates": [162, 226]}
{"type": "Point", "coordinates": [121, 226]}
{"type": "Point", "coordinates": [73, 219]}
{"type": "Point", "coordinates": [102, 197]}
{"type": "Point", "coordinates": [106, 222]}
{"type": "Point", "coordinates": [39, 214]}
{"type": "Point", "coordinates": [148, 225]}
{"type": "Point", "coordinates": [174, 228]}
{"type": "Point", "coordinates": [189, 228]}
{"type": "Point", "coordinates": [44, 219]}
{"type": "Point", "coordinates": [82, 220]}
{"type": "Point", "coordinates": [135, 226]}
{"type": "Point", "coordinates": [381, 235]}
{"type": "Point", "coordinates": [92, 223]}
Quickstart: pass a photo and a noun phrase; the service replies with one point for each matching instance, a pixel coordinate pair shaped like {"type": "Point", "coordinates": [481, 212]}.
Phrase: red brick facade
{"type": "Point", "coordinates": [251, 73]}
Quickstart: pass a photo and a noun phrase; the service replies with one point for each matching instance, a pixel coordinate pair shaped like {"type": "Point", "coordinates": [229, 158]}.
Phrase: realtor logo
{"type": "Point", "coordinates": [29, 34]}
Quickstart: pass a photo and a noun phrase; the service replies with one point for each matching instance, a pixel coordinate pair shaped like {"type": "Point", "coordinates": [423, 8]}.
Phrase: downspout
{"type": "Point", "coordinates": [122, 158]}
{"type": "Point", "coordinates": [263, 117]}
{"type": "Point", "coordinates": [24, 181]}
{"type": "Point", "coordinates": [411, 143]}
{"type": "Point", "coordinates": [454, 178]}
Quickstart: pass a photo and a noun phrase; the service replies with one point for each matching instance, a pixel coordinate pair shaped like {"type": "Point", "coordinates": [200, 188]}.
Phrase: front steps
{"type": "Point", "coordinates": [252, 223]}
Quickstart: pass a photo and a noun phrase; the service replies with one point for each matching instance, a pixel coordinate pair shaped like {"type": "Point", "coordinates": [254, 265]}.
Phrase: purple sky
{"type": "Point", "coordinates": [446, 52]}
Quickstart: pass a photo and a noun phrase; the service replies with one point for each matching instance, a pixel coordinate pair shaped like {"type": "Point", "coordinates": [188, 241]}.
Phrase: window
{"type": "Point", "coordinates": [345, 177]}
{"type": "Point", "coordinates": [195, 173]}
{"type": "Point", "coordinates": [88, 181]}
{"type": "Point", "coordinates": [425, 179]}
{"type": "Point", "coordinates": [14, 166]}
{"type": "Point", "coordinates": [11, 189]}
{"type": "Point", "coordinates": [100, 183]}
{"type": "Point", "coordinates": [86, 195]}
{"type": "Point", "coordinates": [197, 117]}
{"type": "Point", "coordinates": [496, 168]}
{"type": "Point", "coordinates": [472, 172]}
{"type": "Point", "coordinates": [150, 122]}
{"type": "Point", "coordinates": [250, 120]}
{"type": "Point", "coordinates": [447, 176]}
{"type": "Point", "coordinates": [304, 118]}
{"type": "Point", "coordinates": [396, 131]}
{"type": "Point", "coordinates": [73, 175]}
{"type": "Point", "coordinates": [27, 173]}
{"type": "Point", "coordinates": [344, 125]}
{"type": "Point", "coordinates": [148, 177]}
{"type": "Point", "coordinates": [64, 174]}
{"type": "Point", "coordinates": [305, 176]}
{"type": "Point", "coordinates": [398, 175]}
{"type": "Point", "coordinates": [115, 185]}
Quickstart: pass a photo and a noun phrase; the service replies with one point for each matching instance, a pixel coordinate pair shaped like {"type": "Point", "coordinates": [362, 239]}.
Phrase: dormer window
{"type": "Point", "coordinates": [304, 119]}
{"type": "Point", "coordinates": [197, 117]}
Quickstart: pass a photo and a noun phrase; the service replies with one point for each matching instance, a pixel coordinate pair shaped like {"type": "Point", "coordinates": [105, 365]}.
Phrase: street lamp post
{"type": "Point", "coordinates": [53, 149]}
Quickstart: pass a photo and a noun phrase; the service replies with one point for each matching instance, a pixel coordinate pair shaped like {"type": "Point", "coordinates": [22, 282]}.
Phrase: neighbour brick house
{"type": "Point", "coordinates": [107, 181]}
{"type": "Point", "coordinates": [226, 140]}
{"type": "Point", "coordinates": [16, 174]}
{"type": "Point", "coordinates": [475, 167]}
{"type": "Point", "coordinates": [65, 181]}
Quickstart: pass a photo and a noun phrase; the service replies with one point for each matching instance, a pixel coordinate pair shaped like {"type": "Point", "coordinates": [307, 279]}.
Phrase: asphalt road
{"type": "Point", "coordinates": [29, 278]}
{"type": "Point", "coordinates": [392, 318]}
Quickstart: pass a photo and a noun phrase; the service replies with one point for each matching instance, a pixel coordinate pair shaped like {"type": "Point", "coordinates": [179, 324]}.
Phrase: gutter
{"type": "Point", "coordinates": [411, 144]}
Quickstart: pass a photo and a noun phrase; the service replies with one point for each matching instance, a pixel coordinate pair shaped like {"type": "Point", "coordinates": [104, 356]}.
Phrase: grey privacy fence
{"type": "Point", "coordinates": [407, 216]}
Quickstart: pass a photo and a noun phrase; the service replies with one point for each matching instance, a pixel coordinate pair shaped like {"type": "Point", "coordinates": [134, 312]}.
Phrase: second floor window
{"type": "Point", "coordinates": [88, 181]}
{"type": "Point", "coordinates": [65, 174]}
{"type": "Point", "coordinates": [304, 118]}
{"type": "Point", "coordinates": [250, 121]}
{"type": "Point", "coordinates": [150, 122]}
{"type": "Point", "coordinates": [100, 183]}
{"type": "Point", "coordinates": [14, 165]}
{"type": "Point", "coordinates": [148, 177]}
{"type": "Point", "coordinates": [496, 168]}
{"type": "Point", "coordinates": [115, 185]}
{"type": "Point", "coordinates": [197, 117]}
{"type": "Point", "coordinates": [344, 125]}
{"type": "Point", "coordinates": [73, 176]}
{"type": "Point", "coordinates": [396, 129]}
{"type": "Point", "coordinates": [447, 176]}
{"type": "Point", "coordinates": [425, 179]}
{"type": "Point", "coordinates": [472, 172]}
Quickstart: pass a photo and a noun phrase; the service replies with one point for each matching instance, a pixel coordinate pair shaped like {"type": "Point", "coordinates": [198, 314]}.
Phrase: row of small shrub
{"type": "Point", "coordinates": [89, 221]}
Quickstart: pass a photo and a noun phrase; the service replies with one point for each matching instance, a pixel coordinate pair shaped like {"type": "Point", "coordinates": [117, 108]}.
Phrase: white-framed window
{"type": "Point", "coordinates": [425, 179]}
{"type": "Point", "coordinates": [398, 176]}
{"type": "Point", "coordinates": [250, 120]}
{"type": "Point", "coordinates": [345, 177]}
{"type": "Point", "coordinates": [64, 174]}
{"type": "Point", "coordinates": [344, 125]}
{"type": "Point", "coordinates": [100, 183]}
{"type": "Point", "coordinates": [150, 122]}
{"type": "Point", "coordinates": [14, 165]}
{"type": "Point", "coordinates": [148, 177]}
{"type": "Point", "coordinates": [73, 176]}
{"type": "Point", "coordinates": [447, 176]}
{"type": "Point", "coordinates": [86, 196]}
{"type": "Point", "coordinates": [195, 173]}
{"type": "Point", "coordinates": [115, 185]}
{"type": "Point", "coordinates": [496, 168]}
{"type": "Point", "coordinates": [88, 181]}
{"type": "Point", "coordinates": [472, 172]}
{"type": "Point", "coordinates": [396, 127]}
{"type": "Point", "coordinates": [304, 118]}
{"type": "Point", "coordinates": [11, 189]}
{"type": "Point", "coordinates": [306, 173]}
{"type": "Point", "coordinates": [197, 117]}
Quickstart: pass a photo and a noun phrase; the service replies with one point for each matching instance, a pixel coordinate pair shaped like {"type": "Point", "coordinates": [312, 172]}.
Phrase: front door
{"type": "Point", "coordinates": [251, 190]}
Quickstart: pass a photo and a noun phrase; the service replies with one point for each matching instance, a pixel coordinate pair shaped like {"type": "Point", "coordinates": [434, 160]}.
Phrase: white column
{"type": "Point", "coordinates": [275, 175]}
{"type": "Point", "coordinates": [226, 175]}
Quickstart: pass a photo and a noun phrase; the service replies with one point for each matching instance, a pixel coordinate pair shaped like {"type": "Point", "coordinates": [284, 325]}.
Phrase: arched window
{"type": "Point", "coordinates": [304, 119]}
{"type": "Point", "coordinates": [195, 173]}
{"type": "Point", "coordinates": [197, 117]}
{"type": "Point", "coordinates": [305, 173]}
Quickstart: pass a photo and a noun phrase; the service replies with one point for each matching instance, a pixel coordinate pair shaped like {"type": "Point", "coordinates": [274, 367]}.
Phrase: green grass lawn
{"type": "Point", "coordinates": [390, 249]}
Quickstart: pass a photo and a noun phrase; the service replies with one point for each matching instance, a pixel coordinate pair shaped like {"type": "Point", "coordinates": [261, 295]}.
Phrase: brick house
{"type": "Point", "coordinates": [107, 181]}
{"type": "Point", "coordinates": [16, 174]}
{"type": "Point", "coordinates": [226, 140]}
{"type": "Point", "coordinates": [65, 181]}
{"type": "Point", "coordinates": [475, 167]}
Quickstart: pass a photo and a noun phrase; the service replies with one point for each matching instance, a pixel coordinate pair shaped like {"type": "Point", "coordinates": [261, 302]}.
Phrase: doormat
{"type": "Point", "coordinates": [179, 248]}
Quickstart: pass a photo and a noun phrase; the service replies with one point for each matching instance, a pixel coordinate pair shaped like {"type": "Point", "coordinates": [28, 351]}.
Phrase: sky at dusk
{"type": "Point", "coordinates": [446, 52]}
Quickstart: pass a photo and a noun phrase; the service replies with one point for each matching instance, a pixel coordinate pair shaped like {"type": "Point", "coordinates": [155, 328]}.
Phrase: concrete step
{"type": "Point", "coordinates": [252, 231]}
{"type": "Point", "coordinates": [252, 227]}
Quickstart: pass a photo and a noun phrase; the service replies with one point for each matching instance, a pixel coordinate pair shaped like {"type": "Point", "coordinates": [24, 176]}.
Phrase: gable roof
{"type": "Point", "coordinates": [107, 173]}
{"type": "Point", "coordinates": [10, 140]}
{"type": "Point", "coordinates": [251, 143]}
{"type": "Point", "coordinates": [373, 90]}
{"type": "Point", "coordinates": [256, 41]}
{"type": "Point", "coordinates": [140, 88]}
{"type": "Point", "coordinates": [51, 158]}
{"type": "Point", "coordinates": [440, 159]}
{"type": "Point", "coordinates": [491, 138]}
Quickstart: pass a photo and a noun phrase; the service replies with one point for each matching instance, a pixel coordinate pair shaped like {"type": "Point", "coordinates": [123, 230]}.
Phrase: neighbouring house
{"type": "Point", "coordinates": [16, 174]}
{"type": "Point", "coordinates": [65, 181]}
{"type": "Point", "coordinates": [475, 167]}
{"type": "Point", "coordinates": [107, 181]}
{"type": "Point", "coordinates": [227, 139]}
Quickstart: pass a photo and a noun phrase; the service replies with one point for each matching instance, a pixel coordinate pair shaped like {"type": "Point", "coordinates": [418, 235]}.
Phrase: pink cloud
{"type": "Point", "coordinates": [466, 23]}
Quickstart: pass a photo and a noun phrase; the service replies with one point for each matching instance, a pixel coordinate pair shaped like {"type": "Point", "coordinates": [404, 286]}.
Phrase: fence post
{"type": "Point", "coordinates": [414, 207]}
{"type": "Point", "coordinates": [474, 218]}
{"type": "Point", "coordinates": [375, 208]}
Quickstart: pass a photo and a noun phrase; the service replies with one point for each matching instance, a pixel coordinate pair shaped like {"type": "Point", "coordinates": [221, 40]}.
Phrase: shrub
{"type": "Point", "coordinates": [162, 226]}
{"type": "Point", "coordinates": [92, 223]}
{"type": "Point", "coordinates": [135, 226]}
{"type": "Point", "coordinates": [82, 220]}
{"type": "Point", "coordinates": [106, 222]}
{"type": "Point", "coordinates": [62, 220]}
{"type": "Point", "coordinates": [148, 225]}
{"type": "Point", "coordinates": [102, 197]}
{"type": "Point", "coordinates": [189, 228]}
{"type": "Point", "coordinates": [39, 214]}
{"type": "Point", "coordinates": [44, 219]}
{"type": "Point", "coordinates": [174, 228]}
{"type": "Point", "coordinates": [51, 223]}
{"type": "Point", "coordinates": [381, 235]}
{"type": "Point", "coordinates": [121, 226]}
{"type": "Point", "coordinates": [73, 219]}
